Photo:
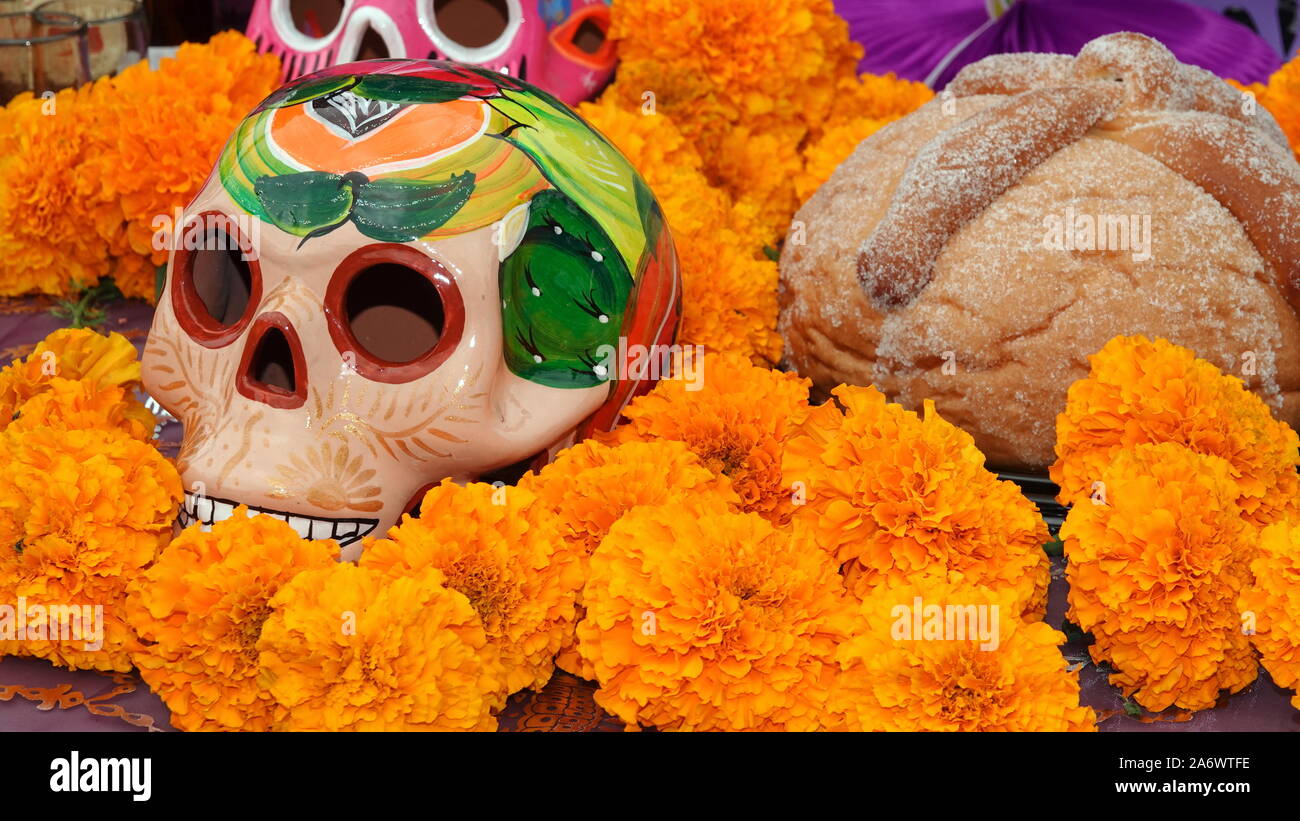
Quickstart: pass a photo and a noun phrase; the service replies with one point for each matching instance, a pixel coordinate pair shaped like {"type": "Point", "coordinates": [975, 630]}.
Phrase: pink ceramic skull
{"type": "Point", "coordinates": [561, 46]}
{"type": "Point", "coordinates": [401, 271]}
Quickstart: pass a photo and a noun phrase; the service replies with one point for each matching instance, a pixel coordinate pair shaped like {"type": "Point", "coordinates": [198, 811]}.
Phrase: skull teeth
{"type": "Point", "coordinates": [207, 511]}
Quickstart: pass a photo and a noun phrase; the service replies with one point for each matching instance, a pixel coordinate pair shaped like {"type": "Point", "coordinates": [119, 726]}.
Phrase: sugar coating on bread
{"type": "Point", "coordinates": [978, 314]}
{"type": "Point", "coordinates": [952, 178]}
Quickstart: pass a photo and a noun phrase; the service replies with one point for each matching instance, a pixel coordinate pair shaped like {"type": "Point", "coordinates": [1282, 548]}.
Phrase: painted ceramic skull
{"type": "Point", "coordinates": [559, 45]}
{"type": "Point", "coordinates": [401, 271]}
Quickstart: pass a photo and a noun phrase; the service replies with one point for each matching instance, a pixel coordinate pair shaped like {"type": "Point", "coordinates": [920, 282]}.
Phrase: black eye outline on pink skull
{"type": "Point", "coordinates": [191, 312]}
{"type": "Point", "coordinates": [367, 364]}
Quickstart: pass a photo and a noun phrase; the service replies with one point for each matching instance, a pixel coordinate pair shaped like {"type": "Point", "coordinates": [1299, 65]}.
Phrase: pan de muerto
{"type": "Point", "coordinates": [978, 250]}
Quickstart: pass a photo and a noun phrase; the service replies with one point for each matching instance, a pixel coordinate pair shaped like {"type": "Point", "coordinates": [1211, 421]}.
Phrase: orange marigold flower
{"type": "Point", "coordinates": [938, 656]}
{"type": "Point", "coordinates": [703, 619]}
{"type": "Point", "coordinates": [879, 96]}
{"type": "Point", "coordinates": [103, 361]}
{"type": "Point", "coordinates": [590, 486]}
{"type": "Point", "coordinates": [1273, 602]}
{"type": "Point", "coordinates": [1281, 96]}
{"type": "Point", "coordinates": [735, 416]}
{"type": "Point", "coordinates": [82, 513]}
{"type": "Point", "coordinates": [864, 105]}
{"type": "Point", "coordinates": [82, 188]}
{"type": "Point", "coordinates": [1139, 391]}
{"type": "Point", "coordinates": [80, 353]}
{"type": "Point", "coordinates": [759, 164]}
{"type": "Point", "coordinates": [825, 154]}
{"type": "Point", "coordinates": [482, 540]}
{"type": "Point", "coordinates": [894, 496]}
{"type": "Point", "coordinates": [729, 285]}
{"type": "Point", "coordinates": [354, 648]}
{"type": "Point", "coordinates": [135, 275]}
{"type": "Point", "coordinates": [207, 88]}
{"type": "Point", "coordinates": [1155, 569]}
{"type": "Point", "coordinates": [48, 240]}
{"type": "Point", "coordinates": [710, 91]}
{"type": "Point", "coordinates": [751, 134]}
{"type": "Point", "coordinates": [81, 405]}
{"type": "Point", "coordinates": [730, 297]}
{"type": "Point", "coordinates": [199, 611]}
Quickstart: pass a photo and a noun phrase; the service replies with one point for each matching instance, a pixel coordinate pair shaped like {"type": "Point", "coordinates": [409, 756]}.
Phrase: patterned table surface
{"type": "Point", "coordinates": [36, 696]}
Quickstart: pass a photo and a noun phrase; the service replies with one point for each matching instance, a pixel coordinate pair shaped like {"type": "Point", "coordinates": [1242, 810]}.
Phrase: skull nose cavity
{"type": "Point", "coordinates": [273, 362]}
{"type": "Point", "coordinates": [273, 371]}
{"type": "Point", "coordinates": [371, 46]}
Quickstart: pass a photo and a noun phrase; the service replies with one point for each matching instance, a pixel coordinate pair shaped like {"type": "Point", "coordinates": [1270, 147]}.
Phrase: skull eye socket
{"type": "Point", "coordinates": [216, 284]}
{"type": "Point", "coordinates": [315, 18]}
{"type": "Point", "coordinates": [472, 23]}
{"type": "Point", "coordinates": [222, 281]}
{"type": "Point", "coordinates": [394, 313]}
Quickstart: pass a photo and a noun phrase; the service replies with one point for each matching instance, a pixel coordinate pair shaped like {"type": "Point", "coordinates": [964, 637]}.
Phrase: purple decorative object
{"type": "Point", "coordinates": [932, 41]}
{"type": "Point", "coordinates": [1265, 18]}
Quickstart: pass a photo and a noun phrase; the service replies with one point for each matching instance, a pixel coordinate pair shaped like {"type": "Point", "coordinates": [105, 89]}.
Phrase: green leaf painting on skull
{"type": "Point", "coordinates": [562, 290]}
{"type": "Point", "coordinates": [413, 150]}
{"type": "Point", "coordinates": [312, 203]}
